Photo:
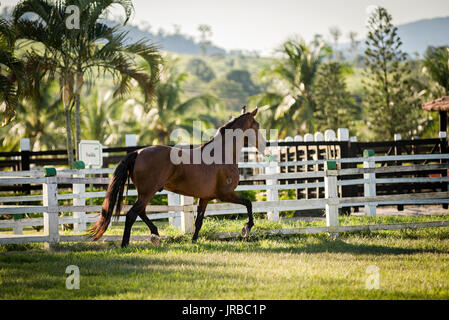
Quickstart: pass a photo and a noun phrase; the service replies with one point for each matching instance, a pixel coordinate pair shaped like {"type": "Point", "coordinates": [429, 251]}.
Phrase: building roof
{"type": "Point", "coordinates": [440, 104]}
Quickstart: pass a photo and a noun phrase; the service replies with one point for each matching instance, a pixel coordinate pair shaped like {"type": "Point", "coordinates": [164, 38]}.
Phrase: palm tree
{"type": "Point", "coordinates": [38, 118]}
{"type": "Point", "coordinates": [12, 72]}
{"type": "Point", "coordinates": [154, 122]}
{"type": "Point", "coordinates": [291, 104]}
{"type": "Point", "coordinates": [91, 49]}
{"type": "Point", "coordinates": [100, 116]}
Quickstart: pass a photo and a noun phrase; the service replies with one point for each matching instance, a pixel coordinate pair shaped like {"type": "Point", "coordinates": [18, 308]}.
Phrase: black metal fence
{"type": "Point", "coordinates": [306, 151]}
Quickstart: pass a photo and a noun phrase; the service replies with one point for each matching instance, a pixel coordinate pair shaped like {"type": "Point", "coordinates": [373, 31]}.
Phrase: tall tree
{"type": "Point", "coordinates": [335, 108]}
{"type": "Point", "coordinates": [390, 104]}
{"type": "Point", "coordinates": [205, 34]}
{"type": "Point", "coordinates": [336, 33]}
{"type": "Point", "coordinates": [73, 51]}
{"type": "Point", "coordinates": [291, 103]}
{"type": "Point", "coordinates": [354, 49]}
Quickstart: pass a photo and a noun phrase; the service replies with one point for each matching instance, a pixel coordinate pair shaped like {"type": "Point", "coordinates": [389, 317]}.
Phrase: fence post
{"type": "Point", "coordinates": [444, 149]}
{"type": "Point", "coordinates": [79, 190]}
{"type": "Point", "coordinates": [331, 194]}
{"type": "Point", "coordinates": [187, 218]}
{"type": "Point", "coordinates": [272, 194]}
{"type": "Point", "coordinates": [130, 140]}
{"type": "Point", "coordinates": [370, 186]}
{"type": "Point", "coordinates": [18, 227]}
{"type": "Point", "coordinates": [397, 152]}
{"type": "Point", "coordinates": [50, 200]}
{"type": "Point", "coordinates": [174, 200]}
{"type": "Point", "coordinates": [345, 146]}
{"type": "Point", "coordinates": [308, 137]}
{"type": "Point", "coordinates": [25, 149]}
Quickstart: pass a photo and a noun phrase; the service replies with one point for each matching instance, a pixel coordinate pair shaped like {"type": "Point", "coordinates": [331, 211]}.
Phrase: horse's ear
{"type": "Point", "coordinates": [254, 112]}
{"type": "Point", "coordinates": [244, 110]}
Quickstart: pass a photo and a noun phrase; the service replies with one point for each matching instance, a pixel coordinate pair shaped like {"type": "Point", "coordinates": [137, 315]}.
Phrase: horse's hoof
{"type": "Point", "coordinates": [155, 240]}
{"type": "Point", "coordinates": [245, 231]}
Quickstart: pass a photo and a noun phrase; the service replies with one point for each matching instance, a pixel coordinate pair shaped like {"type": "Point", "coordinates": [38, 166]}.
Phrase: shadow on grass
{"type": "Point", "coordinates": [293, 244]}
{"type": "Point", "coordinates": [310, 244]}
{"type": "Point", "coordinates": [323, 245]}
{"type": "Point", "coordinates": [130, 275]}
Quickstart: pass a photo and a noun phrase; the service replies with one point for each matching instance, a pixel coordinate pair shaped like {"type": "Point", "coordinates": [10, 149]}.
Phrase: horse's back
{"type": "Point", "coordinates": [155, 169]}
{"type": "Point", "coordinates": [152, 168]}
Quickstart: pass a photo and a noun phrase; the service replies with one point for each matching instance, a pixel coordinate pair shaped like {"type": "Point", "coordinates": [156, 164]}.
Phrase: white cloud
{"type": "Point", "coordinates": [370, 9]}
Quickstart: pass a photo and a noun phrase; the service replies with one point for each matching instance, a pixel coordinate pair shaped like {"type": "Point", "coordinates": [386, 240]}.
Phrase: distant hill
{"type": "Point", "coordinates": [178, 43]}
{"type": "Point", "coordinates": [417, 36]}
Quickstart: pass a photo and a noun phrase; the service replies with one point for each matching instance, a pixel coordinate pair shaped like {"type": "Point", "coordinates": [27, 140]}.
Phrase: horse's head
{"type": "Point", "coordinates": [251, 128]}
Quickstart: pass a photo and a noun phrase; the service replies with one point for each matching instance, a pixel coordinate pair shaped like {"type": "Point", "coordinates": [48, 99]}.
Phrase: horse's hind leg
{"type": "Point", "coordinates": [138, 209]}
{"type": "Point", "coordinates": [131, 217]}
{"type": "Point", "coordinates": [155, 239]}
{"type": "Point", "coordinates": [149, 223]}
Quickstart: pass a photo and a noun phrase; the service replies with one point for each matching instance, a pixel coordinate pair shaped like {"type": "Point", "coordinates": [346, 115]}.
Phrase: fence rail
{"type": "Point", "coordinates": [181, 210]}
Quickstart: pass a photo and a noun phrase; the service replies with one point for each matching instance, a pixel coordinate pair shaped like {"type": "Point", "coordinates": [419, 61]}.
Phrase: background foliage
{"type": "Point", "coordinates": [304, 87]}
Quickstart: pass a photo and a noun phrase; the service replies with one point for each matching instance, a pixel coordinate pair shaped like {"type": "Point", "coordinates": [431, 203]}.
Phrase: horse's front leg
{"type": "Point", "coordinates": [236, 198]}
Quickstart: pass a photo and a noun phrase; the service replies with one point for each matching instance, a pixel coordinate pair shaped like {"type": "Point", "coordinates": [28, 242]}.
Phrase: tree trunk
{"type": "Point", "coordinates": [78, 88]}
{"type": "Point", "coordinates": [77, 125]}
{"type": "Point", "coordinates": [68, 121]}
{"type": "Point", "coordinates": [65, 93]}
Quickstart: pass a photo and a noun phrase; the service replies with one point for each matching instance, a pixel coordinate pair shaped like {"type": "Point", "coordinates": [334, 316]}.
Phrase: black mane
{"type": "Point", "coordinates": [227, 125]}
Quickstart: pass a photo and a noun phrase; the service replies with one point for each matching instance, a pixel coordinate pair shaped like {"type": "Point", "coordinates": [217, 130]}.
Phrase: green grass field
{"type": "Point", "coordinates": [413, 264]}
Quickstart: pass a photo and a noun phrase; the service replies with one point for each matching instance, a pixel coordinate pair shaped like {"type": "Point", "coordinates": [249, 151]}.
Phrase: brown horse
{"type": "Point", "coordinates": [208, 172]}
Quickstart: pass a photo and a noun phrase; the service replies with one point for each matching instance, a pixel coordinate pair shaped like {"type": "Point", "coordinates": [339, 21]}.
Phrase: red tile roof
{"type": "Point", "coordinates": [440, 104]}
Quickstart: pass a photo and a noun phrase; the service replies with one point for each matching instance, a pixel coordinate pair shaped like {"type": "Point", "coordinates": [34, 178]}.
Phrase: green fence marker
{"type": "Point", "coordinates": [331, 165]}
{"type": "Point", "coordinates": [78, 165]}
{"type": "Point", "coordinates": [368, 153]}
{"type": "Point", "coordinates": [49, 172]}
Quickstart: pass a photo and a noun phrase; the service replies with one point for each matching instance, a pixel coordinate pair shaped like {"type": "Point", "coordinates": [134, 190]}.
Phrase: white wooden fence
{"type": "Point", "coordinates": [181, 210]}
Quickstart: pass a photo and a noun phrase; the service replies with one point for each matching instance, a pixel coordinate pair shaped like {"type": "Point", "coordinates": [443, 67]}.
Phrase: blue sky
{"type": "Point", "coordinates": [263, 24]}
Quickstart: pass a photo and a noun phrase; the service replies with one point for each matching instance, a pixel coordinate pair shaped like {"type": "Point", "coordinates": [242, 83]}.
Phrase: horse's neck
{"type": "Point", "coordinates": [237, 150]}
{"type": "Point", "coordinates": [219, 144]}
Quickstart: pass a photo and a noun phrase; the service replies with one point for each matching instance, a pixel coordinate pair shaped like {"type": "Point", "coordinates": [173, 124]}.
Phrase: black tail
{"type": "Point", "coordinates": [114, 195]}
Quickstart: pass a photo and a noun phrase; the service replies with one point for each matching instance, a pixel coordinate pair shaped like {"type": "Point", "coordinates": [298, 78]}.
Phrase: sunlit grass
{"type": "Point", "coordinates": [414, 264]}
